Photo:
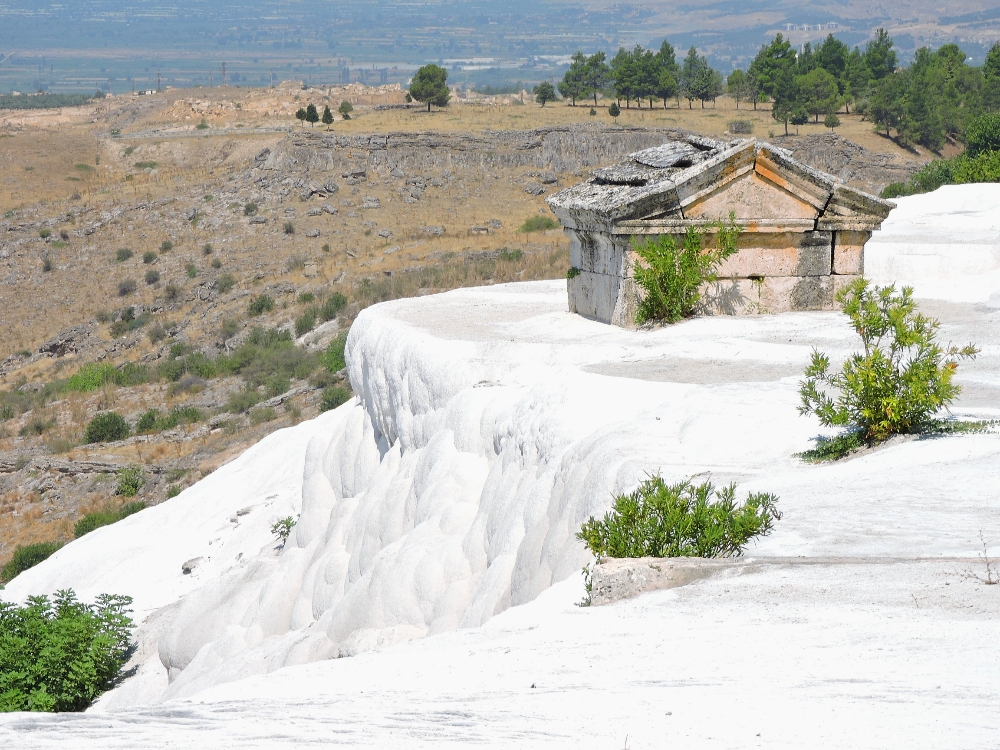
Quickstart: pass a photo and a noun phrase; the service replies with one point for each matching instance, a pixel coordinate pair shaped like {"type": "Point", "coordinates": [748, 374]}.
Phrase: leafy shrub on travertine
{"type": "Point", "coordinates": [671, 277]}
{"type": "Point", "coordinates": [26, 557]}
{"type": "Point", "coordinates": [61, 655]}
{"type": "Point", "coordinates": [680, 520]}
{"type": "Point", "coordinates": [106, 517]}
{"type": "Point", "coordinates": [335, 358]}
{"type": "Point", "coordinates": [901, 379]}
{"type": "Point", "coordinates": [130, 480]}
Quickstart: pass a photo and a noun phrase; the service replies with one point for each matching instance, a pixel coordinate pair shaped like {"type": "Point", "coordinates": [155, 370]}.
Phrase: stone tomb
{"type": "Point", "coordinates": [803, 231]}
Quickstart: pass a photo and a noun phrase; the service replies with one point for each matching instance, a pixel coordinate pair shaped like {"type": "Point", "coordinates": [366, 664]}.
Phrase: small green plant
{"type": "Point", "coordinates": [306, 298]}
{"type": "Point", "coordinates": [305, 322]}
{"type": "Point", "coordinates": [672, 277]}
{"type": "Point", "coordinates": [171, 293]}
{"type": "Point", "coordinates": [26, 557]}
{"type": "Point", "coordinates": [508, 255]}
{"type": "Point", "coordinates": [229, 328]}
{"type": "Point", "coordinates": [146, 165]}
{"type": "Point", "coordinates": [129, 480]}
{"type": "Point", "coordinates": [262, 414]}
{"type": "Point", "coordinates": [288, 228]}
{"type": "Point", "coordinates": [126, 287]}
{"type": "Point", "coordinates": [216, 263]}
{"type": "Point", "coordinates": [166, 246]}
{"type": "Point", "coordinates": [333, 397]}
{"type": "Point", "coordinates": [282, 529]}
{"type": "Point", "coordinates": [45, 233]}
{"type": "Point", "coordinates": [260, 305]}
{"type": "Point", "coordinates": [680, 520]}
{"type": "Point", "coordinates": [331, 306]}
{"type": "Point", "coordinates": [123, 254]}
{"type": "Point", "coordinates": [107, 427]}
{"type": "Point", "coordinates": [61, 655]}
{"type": "Point", "coordinates": [207, 249]}
{"type": "Point", "coordinates": [192, 270]}
{"type": "Point", "coordinates": [538, 223]}
{"type": "Point", "coordinates": [573, 272]}
{"type": "Point", "coordinates": [46, 264]}
{"type": "Point", "coordinates": [250, 209]}
{"type": "Point", "coordinates": [326, 247]}
{"type": "Point", "coordinates": [201, 125]}
{"type": "Point", "coordinates": [901, 379]}
{"type": "Point", "coordinates": [92, 376]}
{"type": "Point", "coordinates": [152, 276]}
{"type": "Point", "coordinates": [615, 111]}
{"type": "Point", "coordinates": [106, 517]}
{"type": "Point", "coordinates": [334, 358]}
{"type": "Point", "coordinates": [173, 491]}
{"type": "Point", "coordinates": [242, 401]}
{"type": "Point", "coordinates": [149, 257]}
{"type": "Point", "coordinates": [225, 283]}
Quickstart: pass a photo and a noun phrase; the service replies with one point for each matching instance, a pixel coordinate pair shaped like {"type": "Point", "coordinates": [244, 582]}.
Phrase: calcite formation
{"type": "Point", "coordinates": [802, 235]}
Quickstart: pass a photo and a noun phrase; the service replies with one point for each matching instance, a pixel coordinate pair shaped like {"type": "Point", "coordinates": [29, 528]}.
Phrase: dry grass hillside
{"type": "Point", "coordinates": [152, 247]}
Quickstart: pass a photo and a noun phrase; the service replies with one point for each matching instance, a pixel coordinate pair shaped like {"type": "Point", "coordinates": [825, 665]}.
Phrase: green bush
{"type": "Point", "coordinates": [305, 322]}
{"type": "Point", "coordinates": [92, 376]}
{"type": "Point", "coordinates": [331, 306]}
{"type": "Point", "coordinates": [26, 557]}
{"type": "Point", "coordinates": [333, 397]}
{"type": "Point", "coordinates": [508, 255]}
{"type": "Point", "coordinates": [250, 209]}
{"type": "Point", "coordinates": [171, 293]}
{"type": "Point", "coordinates": [126, 287]}
{"type": "Point", "coordinates": [262, 414]}
{"type": "Point", "coordinates": [260, 305]}
{"type": "Point", "coordinates": [672, 278]}
{"type": "Point", "coordinates": [306, 297]}
{"type": "Point", "coordinates": [128, 322]}
{"type": "Point", "coordinates": [225, 283]}
{"type": "Point", "coordinates": [288, 228]}
{"type": "Point", "coordinates": [680, 520]}
{"type": "Point", "coordinates": [151, 421]}
{"type": "Point", "coordinates": [152, 276]}
{"type": "Point", "coordinates": [334, 358]}
{"type": "Point", "coordinates": [61, 655]}
{"type": "Point", "coordinates": [149, 257]}
{"type": "Point", "coordinates": [192, 270]}
{"type": "Point", "coordinates": [901, 379]}
{"type": "Point", "coordinates": [216, 263]}
{"type": "Point", "coordinates": [123, 254]}
{"type": "Point", "coordinates": [166, 246]}
{"type": "Point", "coordinates": [242, 401]}
{"type": "Point", "coordinates": [983, 134]}
{"type": "Point", "coordinates": [283, 528]}
{"type": "Point", "coordinates": [107, 427]}
{"type": "Point", "coordinates": [538, 223]}
{"type": "Point", "coordinates": [106, 517]}
{"type": "Point", "coordinates": [130, 480]}
{"type": "Point", "coordinates": [173, 491]}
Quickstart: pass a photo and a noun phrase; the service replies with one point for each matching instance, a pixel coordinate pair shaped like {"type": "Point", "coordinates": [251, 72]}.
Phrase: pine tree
{"type": "Point", "coordinates": [430, 86]}
{"type": "Point", "coordinates": [312, 116]}
{"type": "Point", "coordinates": [544, 92]}
{"type": "Point", "coordinates": [573, 84]}
{"type": "Point", "coordinates": [327, 116]}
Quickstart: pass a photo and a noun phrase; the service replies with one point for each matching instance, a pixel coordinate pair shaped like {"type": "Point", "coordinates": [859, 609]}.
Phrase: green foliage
{"type": "Point", "coordinates": [216, 263]}
{"type": "Point", "coordinates": [614, 110]}
{"type": "Point", "coordinates": [260, 305]}
{"type": "Point", "coordinates": [544, 92]}
{"type": "Point", "coordinates": [901, 379]}
{"type": "Point", "coordinates": [430, 86]}
{"type": "Point", "coordinates": [26, 557]}
{"type": "Point", "coordinates": [834, 448]}
{"type": "Point", "coordinates": [573, 272]}
{"type": "Point", "coordinates": [672, 278]}
{"type": "Point", "coordinates": [334, 359]}
{"type": "Point", "coordinates": [152, 276]}
{"type": "Point", "coordinates": [538, 223]}
{"type": "Point", "coordinates": [151, 421]}
{"type": "Point", "coordinates": [983, 134]}
{"type": "Point", "coordinates": [146, 165]}
{"type": "Point", "coordinates": [129, 480]}
{"type": "Point", "coordinates": [283, 528]}
{"type": "Point", "coordinates": [61, 655]}
{"type": "Point", "coordinates": [225, 283]}
{"type": "Point", "coordinates": [312, 116]}
{"type": "Point", "coordinates": [128, 322]}
{"type": "Point", "coordinates": [332, 306]}
{"type": "Point", "coordinates": [123, 254]}
{"type": "Point", "coordinates": [305, 322]}
{"type": "Point", "coordinates": [149, 257]}
{"type": "Point", "coordinates": [680, 520]}
{"type": "Point", "coordinates": [242, 401]}
{"type": "Point", "coordinates": [92, 376]}
{"type": "Point", "coordinates": [44, 233]}
{"type": "Point", "coordinates": [106, 517]}
{"type": "Point", "coordinates": [327, 116]}
{"type": "Point", "coordinates": [166, 246]}
{"type": "Point", "coordinates": [43, 101]}
{"type": "Point", "coordinates": [106, 427]}
{"type": "Point", "coordinates": [306, 297]}
{"type": "Point", "coordinates": [192, 270]}
{"type": "Point", "coordinates": [126, 287]}
{"type": "Point", "coordinates": [173, 491]}
{"type": "Point", "coordinates": [288, 227]}
{"type": "Point", "coordinates": [262, 414]}
{"type": "Point", "coordinates": [171, 292]}
{"type": "Point", "coordinates": [250, 209]}
{"type": "Point", "coordinates": [333, 397]}
{"type": "Point", "coordinates": [345, 109]}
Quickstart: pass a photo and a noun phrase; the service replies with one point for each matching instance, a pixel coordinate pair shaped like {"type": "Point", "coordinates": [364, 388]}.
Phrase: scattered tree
{"type": "Point", "coordinates": [430, 86]}
{"type": "Point", "coordinates": [345, 109]}
{"type": "Point", "coordinates": [327, 117]}
{"type": "Point", "coordinates": [544, 92]}
{"type": "Point", "coordinates": [312, 116]}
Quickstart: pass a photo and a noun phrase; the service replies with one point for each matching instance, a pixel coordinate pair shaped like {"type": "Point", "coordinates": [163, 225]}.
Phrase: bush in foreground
{"type": "Point", "coordinates": [680, 520]}
{"type": "Point", "coordinates": [901, 379]}
{"type": "Point", "coordinates": [333, 397]}
{"type": "Point", "coordinates": [107, 427]}
{"type": "Point", "coordinates": [61, 655]}
{"type": "Point", "coordinates": [26, 557]}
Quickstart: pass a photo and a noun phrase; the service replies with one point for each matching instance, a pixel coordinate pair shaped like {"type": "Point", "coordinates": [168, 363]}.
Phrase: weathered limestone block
{"type": "Point", "coordinates": [849, 252]}
{"type": "Point", "coordinates": [615, 579]}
